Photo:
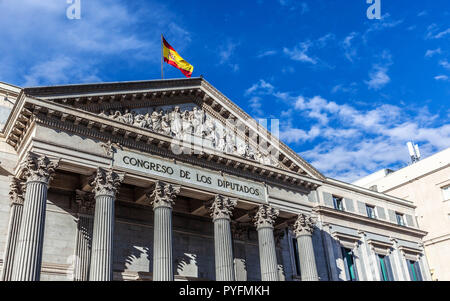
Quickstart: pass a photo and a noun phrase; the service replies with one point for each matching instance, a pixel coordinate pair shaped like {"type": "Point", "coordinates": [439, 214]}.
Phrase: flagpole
{"type": "Point", "coordinates": [162, 58]}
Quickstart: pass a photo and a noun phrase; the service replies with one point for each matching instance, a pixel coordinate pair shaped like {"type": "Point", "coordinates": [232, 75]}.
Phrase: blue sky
{"type": "Point", "coordinates": [349, 92]}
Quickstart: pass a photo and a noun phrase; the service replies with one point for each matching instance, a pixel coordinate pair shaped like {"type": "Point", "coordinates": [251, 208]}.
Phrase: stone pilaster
{"type": "Point", "coordinates": [37, 172]}
{"type": "Point", "coordinates": [303, 230]}
{"type": "Point", "coordinates": [83, 246]}
{"type": "Point", "coordinates": [264, 220]}
{"type": "Point", "coordinates": [16, 197]}
{"type": "Point", "coordinates": [221, 212]}
{"type": "Point", "coordinates": [106, 184]}
{"type": "Point", "coordinates": [162, 198]}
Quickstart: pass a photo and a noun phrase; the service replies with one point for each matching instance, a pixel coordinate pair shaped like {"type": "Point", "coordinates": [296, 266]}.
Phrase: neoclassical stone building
{"type": "Point", "coordinates": [170, 180]}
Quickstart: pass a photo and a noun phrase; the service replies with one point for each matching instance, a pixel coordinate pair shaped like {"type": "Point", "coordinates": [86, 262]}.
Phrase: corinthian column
{"type": "Point", "coordinates": [221, 212]}
{"type": "Point", "coordinates": [303, 229]}
{"type": "Point", "coordinates": [15, 216]}
{"type": "Point", "coordinates": [264, 220]}
{"type": "Point", "coordinates": [106, 183]}
{"type": "Point", "coordinates": [37, 171]}
{"type": "Point", "coordinates": [162, 199]}
{"type": "Point", "coordinates": [86, 203]}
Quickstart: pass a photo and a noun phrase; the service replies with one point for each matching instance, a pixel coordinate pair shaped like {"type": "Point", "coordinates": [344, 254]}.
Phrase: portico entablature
{"type": "Point", "coordinates": [87, 99]}
{"type": "Point", "coordinates": [82, 123]}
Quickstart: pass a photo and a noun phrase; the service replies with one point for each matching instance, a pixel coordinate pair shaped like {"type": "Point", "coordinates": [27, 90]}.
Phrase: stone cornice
{"type": "Point", "coordinates": [90, 125]}
{"type": "Point", "coordinates": [326, 211]}
{"type": "Point", "coordinates": [369, 192]}
{"type": "Point", "coordinates": [89, 96]}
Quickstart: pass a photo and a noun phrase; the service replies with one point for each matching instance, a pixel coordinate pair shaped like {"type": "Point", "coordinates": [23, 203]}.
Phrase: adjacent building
{"type": "Point", "coordinates": [426, 184]}
{"type": "Point", "coordinates": [170, 180]}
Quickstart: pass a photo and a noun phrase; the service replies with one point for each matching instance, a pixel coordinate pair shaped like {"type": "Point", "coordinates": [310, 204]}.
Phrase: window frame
{"type": "Point", "coordinates": [373, 211]}
{"type": "Point", "coordinates": [337, 199]}
{"type": "Point", "coordinates": [402, 216]}
{"type": "Point", "coordinates": [414, 270]}
{"type": "Point", "coordinates": [385, 268]}
{"type": "Point", "coordinates": [351, 270]}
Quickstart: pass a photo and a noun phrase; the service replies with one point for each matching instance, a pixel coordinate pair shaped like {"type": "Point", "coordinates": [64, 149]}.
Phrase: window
{"type": "Point", "coordinates": [370, 211]}
{"type": "Point", "coordinates": [400, 219]}
{"type": "Point", "coordinates": [338, 203]}
{"type": "Point", "coordinates": [385, 268]}
{"type": "Point", "coordinates": [349, 263]}
{"type": "Point", "coordinates": [446, 193]}
{"type": "Point", "coordinates": [414, 270]}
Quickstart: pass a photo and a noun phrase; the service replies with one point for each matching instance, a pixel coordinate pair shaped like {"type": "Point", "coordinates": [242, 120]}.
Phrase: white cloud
{"type": "Point", "coordinates": [108, 30]}
{"type": "Point", "coordinates": [433, 32]}
{"type": "Point", "coordinates": [445, 64]}
{"type": "Point", "coordinates": [431, 52]}
{"type": "Point", "coordinates": [60, 70]}
{"type": "Point", "coordinates": [266, 53]}
{"type": "Point", "coordinates": [351, 142]}
{"type": "Point", "coordinates": [378, 77]}
{"type": "Point", "coordinates": [299, 53]}
{"type": "Point", "coordinates": [226, 51]}
{"type": "Point", "coordinates": [350, 51]}
{"type": "Point", "coordinates": [441, 77]}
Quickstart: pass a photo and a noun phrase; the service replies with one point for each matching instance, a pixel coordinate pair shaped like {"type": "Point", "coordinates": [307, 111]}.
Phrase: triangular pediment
{"type": "Point", "coordinates": [187, 110]}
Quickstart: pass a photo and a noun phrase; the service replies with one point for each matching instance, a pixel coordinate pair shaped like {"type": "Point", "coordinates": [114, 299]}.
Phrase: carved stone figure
{"type": "Point", "coordinates": [165, 125]}
{"type": "Point", "coordinates": [198, 117]}
{"type": "Point", "coordinates": [128, 117]}
{"type": "Point", "coordinates": [176, 122]}
{"type": "Point", "coordinates": [140, 121]}
{"type": "Point", "coordinates": [156, 120]}
{"type": "Point", "coordinates": [181, 125]}
{"type": "Point", "coordinates": [187, 123]}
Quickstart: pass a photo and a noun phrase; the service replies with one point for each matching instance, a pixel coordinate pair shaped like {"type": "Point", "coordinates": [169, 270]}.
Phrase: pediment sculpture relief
{"type": "Point", "coordinates": [191, 125]}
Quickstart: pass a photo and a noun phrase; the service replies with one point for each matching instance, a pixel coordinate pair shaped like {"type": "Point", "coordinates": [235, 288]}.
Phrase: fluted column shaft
{"type": "Point", "coordinates": [31, 236]}
{"type": "Point", "coordinates": [11, 241]}
{"type": "Point", "coordinates": [264, 221]}
{"type": "Point", "coordinates": [303, 229]}
{"type": "Point", "coordinates": [223, 249]}
{"type": "Point", "coordinates": [106, 184]}
{"type": "Point", "coordinates": [162, 198]}
{"type": "Point", "coordinates": [102, 239]}
{"type": "Point", "coordinates": [162, 244]}
{"type": "Point", "coordinates": [37, 171]}
{"type": "Point", "coordinates": [267, 254]}
{"type": "Point", "coordinates": [307, 259]}
{"type": "Point", "coordinates": [83, 247]}
{"type": "Point", "coordinates": [221, 212]}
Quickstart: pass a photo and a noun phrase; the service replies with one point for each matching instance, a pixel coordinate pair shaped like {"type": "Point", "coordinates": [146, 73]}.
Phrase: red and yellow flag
{"type": "Point", "coordinates": [172, 57]}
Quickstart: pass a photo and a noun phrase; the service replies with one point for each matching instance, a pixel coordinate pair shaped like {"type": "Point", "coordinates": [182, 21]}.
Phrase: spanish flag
{"type": "Point", "coordinates": [172, 57]}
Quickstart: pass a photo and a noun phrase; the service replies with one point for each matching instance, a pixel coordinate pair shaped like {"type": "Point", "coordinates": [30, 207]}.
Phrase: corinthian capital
{"type": "Point", "coordinates": [265, 216]}
{"type": "Point", "coordinates": [106, 182]}
{"type": "Point", "coordinates": [16, 191]}
{"type": "Point", "coordinates": [222, 207]}
{"type": "Point", "coordinates": [85, 201]}
{"type": "Point", "coordinates": [304, 225]}
{"type": "Point", "coordinates": [39, 168]}
{"type": "Point", "coordinates": [163, 195]}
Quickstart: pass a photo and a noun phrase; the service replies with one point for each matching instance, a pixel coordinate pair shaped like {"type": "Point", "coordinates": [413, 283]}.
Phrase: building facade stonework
{"type": "Point", "coordinates": [426, 184]}
{"type": "Point", "coordinates": [170, 180]}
